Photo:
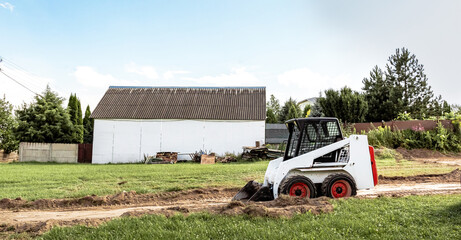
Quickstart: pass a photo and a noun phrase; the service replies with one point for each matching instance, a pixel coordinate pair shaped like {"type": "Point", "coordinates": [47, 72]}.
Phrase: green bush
{"type": "Point", "coordinates": [440, 138]}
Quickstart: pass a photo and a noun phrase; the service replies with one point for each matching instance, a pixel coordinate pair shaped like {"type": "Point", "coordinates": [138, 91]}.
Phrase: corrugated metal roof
{"type": "Point", "coordinates": [220, 103]}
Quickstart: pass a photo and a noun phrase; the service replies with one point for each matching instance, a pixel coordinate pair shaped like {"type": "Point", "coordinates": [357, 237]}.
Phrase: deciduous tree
{"type": "Point", "coordinates": [345, 104]}
{"type": "Point", "coordinates": [8, 141]}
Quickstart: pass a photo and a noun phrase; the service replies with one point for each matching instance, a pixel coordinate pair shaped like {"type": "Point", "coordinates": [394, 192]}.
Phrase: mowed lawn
{"type": "Point", "coordinates": [414, 217]}
{"type": "Point", "coordinates": [51, 180]}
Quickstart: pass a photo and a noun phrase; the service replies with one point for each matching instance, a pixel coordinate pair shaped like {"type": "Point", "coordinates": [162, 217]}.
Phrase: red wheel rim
{"type": "Point", "coordinates": [299, 189]}
{"type": "Point", "coordinates": [341, 188]}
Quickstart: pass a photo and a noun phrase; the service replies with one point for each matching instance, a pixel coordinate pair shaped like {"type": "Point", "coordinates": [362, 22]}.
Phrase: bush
{"type": "Point", "coordinates": [441, 139]}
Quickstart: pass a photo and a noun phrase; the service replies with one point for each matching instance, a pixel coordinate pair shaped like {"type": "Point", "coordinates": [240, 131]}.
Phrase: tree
{"type": "Point", "coordinates": [75, 112]}
{"type": "Point", "coordinates": [272, 109]}
{"type": "Point", "coordinates": [88, 126]}
{"type": "Point", "coordinates": [345, 104]}
{"type": "Point", "coordinates": [45, 120]}
{"type": "Point", "coordinates": [412, 92]}
{"type": "Point", "coordinates": [270, 116]}
{"type": "Point", "coordinates": [401, 88]}
{"type": "Point", "coordinates": [378, 92]}
{"type": "Point", "coordinates": [8, 124]}
{"type": "Point", "coordinates": [284, 112]}
{"type": "Point", "coordinates": [307, 111]}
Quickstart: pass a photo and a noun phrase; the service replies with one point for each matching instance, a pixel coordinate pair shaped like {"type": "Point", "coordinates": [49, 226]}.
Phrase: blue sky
{"type": "Point", "coordinates": [294, 48]}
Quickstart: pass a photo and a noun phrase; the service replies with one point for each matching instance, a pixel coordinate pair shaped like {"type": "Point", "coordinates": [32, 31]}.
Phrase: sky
{"type": "Point", "coordinates": [293, 48]}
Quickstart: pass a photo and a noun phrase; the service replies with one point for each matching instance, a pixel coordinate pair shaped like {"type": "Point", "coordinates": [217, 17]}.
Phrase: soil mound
{"type": "Point", "coordinates": [123, 198]}
{"type": "Point", "coordinates": [37, 228]}
{"type": "Point", "coordinates": [284, 206]}
{"type": "Point", "coordinates": [453, 176]}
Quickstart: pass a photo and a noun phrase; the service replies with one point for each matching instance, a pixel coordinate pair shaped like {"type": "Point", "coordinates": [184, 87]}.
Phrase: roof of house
{"type": "Point", "coordinates": [220, 103]}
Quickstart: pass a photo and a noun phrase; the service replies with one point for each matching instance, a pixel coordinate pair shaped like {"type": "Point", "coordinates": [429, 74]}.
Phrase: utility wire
{"type": "Point", "coordinates": [19, 83]}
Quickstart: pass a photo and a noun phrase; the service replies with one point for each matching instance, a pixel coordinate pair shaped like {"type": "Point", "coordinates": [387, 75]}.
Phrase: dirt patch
{"type": "Point", "coordinates": [37, 228]}
{"type": "Point", "coordinates": [284, 206]}
{"type": "Point", "coordinates": [453, 176]}
{"type": "Point", "coordinates": [426, 154]}
{"type": "Point", "coordinates": [124, 198]}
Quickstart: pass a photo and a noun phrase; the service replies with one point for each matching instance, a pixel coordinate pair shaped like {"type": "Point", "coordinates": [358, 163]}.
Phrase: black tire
{"type": "Point", "coordinates": [339, 185]}
{"type": "Point", "coordinates": [299, 186]}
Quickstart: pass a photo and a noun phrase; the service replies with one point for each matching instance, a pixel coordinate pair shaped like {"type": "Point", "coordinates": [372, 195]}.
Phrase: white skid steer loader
{"type": "Point", "coordinates": [318, 161]}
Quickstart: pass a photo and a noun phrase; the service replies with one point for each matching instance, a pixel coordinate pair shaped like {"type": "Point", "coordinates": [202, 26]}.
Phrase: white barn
{"type": "Point", "coordinates": [133, 121]}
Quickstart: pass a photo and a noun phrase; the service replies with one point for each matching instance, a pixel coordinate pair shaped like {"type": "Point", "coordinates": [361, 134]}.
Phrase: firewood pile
{"type": "Point", "coordinates": [226, 159]}
{"type": "Point", "coordinates": [169, 157]}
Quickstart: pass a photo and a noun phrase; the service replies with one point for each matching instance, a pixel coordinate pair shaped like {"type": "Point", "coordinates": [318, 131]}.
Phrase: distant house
{"type": "Point", "coordinates": [309, 101]}
{"type": "Point", "coordinates": [133, 121]}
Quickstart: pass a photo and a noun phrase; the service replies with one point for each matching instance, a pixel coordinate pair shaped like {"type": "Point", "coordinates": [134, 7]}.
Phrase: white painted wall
{"type": "Point", "coordinates": [124, 141]}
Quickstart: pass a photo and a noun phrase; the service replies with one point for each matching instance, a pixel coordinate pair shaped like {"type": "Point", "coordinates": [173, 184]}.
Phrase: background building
{"type": "Point", "coordinates": [133, 121]}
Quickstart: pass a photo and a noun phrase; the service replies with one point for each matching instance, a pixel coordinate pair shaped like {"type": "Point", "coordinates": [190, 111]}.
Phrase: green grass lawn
{"type": "Point", "coordinates": [415, 217]}
{"type": "Point", "coordinates": [51, 180]}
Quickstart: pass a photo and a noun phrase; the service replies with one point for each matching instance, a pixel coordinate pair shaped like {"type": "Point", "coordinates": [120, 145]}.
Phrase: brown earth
{"type": "Point", "coordinates": [453, 176]}
{"type": "Point", "coordinates": [430, 156]}
{"type": "Point", "coordinates": [123, 198]}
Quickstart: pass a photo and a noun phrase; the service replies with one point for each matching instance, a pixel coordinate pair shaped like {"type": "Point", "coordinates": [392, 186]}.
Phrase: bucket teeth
{"type": "Point", "coordinates": [253, 191]}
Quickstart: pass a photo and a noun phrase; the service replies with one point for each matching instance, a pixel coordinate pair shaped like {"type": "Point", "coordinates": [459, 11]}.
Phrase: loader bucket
{"type": "Point", "coordinates": [253, 191]}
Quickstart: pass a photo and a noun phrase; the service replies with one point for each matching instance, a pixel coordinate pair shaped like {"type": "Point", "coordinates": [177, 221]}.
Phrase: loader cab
{"type": "Point", "coordinates": [308, 134]}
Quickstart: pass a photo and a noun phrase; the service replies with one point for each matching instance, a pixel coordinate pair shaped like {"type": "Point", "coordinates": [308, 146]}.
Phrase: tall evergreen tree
{"type": "Point", "coordinates": [378, 93]}
{"type": "Point", "coordinates": [75, 111]}
{"type": "Point", "coordinates": [411, 93]}
{"type": "Point", "coordinates": [88, 126]}
{"type": "Point", "coordinates": [345, 104]}
{"type": "Point", "coordinates": [45, 120]}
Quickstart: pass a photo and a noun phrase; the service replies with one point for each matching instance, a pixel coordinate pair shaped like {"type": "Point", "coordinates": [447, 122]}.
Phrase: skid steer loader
{"type": "Point", "coordinates": [318, 161]}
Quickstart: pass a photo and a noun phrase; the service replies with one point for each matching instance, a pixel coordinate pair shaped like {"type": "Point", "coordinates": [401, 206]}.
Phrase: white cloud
{"type": "Point", "coordinates": [146, 71]}
{"type": "Point", "coordinates": [305, 83]}
{"type": "Point", "coordinates": [170, 74]}
{"type": "Point", "coordinates": [7, 5]}
{"type": "Point", "coordinates": [89, 77]}
{"type": "Point", "coordinates": [237, 77]}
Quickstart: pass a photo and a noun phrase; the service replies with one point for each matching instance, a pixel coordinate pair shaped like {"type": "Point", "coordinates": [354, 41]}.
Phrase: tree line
{"type": "Point", "coordinates": [44, 120]}
{"type": "Point", "coordinates": [400, 91]}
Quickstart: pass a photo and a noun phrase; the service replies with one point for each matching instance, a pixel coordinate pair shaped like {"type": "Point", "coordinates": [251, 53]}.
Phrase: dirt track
{"type": "Point", "coordinates": [18, 215]}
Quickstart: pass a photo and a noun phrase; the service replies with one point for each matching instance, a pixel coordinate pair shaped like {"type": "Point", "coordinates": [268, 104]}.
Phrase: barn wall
{"type": "Point", "coordinates": [123, 141]}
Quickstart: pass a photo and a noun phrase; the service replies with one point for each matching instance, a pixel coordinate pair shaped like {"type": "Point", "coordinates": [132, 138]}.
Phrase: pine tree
{"type": "Point", "coordinates": [377, 92]}
{"type": "Point", "coordinates": [88, 126]}
{"type": "Point", "coordinates": [46, 121]}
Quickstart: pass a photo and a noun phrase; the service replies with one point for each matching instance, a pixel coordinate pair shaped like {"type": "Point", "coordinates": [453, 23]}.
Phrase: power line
{"type": "Point", "coordinates": [19, 83]}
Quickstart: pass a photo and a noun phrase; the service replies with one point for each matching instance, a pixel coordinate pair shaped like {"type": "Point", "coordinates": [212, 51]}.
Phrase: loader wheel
{"type": "Point", "coordinates": [339, 185]}
{"type": "Point", "coordinates": [298, 186]}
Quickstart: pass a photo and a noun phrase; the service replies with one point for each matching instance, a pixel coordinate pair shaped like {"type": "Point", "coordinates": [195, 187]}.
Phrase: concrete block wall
{"type": "Point", "coordinates": [48, 152]}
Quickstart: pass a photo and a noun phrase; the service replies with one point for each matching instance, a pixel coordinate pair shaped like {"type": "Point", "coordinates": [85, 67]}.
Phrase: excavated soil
{"type": "Point", "coordinates": [37, 222]}
{"type": "Point", "coordinates": [453, 176]}
{"type": "Point", "coordinates": [123, 198]}
{"type": "Point", "coordinates": [430, 156]}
